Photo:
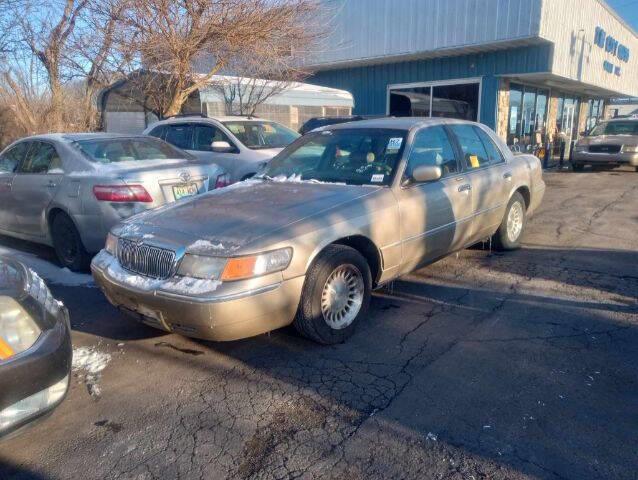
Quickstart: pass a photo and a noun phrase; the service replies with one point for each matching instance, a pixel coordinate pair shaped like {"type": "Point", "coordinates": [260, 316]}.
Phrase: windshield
{"type": "Point", "coordinates": [114, 150]}
{"type": "Point", "coordinates": [356, 157]}
{"type": "Point", "coordinates": [615, 128]}
{"type": "Point", "coordinates": [258, 135]}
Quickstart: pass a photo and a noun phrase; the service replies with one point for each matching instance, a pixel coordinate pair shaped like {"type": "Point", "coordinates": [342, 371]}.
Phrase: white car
{"type": "Point", "coordinates": [240, 145]}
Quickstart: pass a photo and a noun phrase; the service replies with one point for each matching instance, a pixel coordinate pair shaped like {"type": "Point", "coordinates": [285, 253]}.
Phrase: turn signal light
{"type": "Point", "coordinates": [121, 193]}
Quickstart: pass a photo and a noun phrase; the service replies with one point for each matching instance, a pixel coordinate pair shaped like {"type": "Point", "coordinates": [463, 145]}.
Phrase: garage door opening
{"type": "Point", "coordinates": [448, 100]}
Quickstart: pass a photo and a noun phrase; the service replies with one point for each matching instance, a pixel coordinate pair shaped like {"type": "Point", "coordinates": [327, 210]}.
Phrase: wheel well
{"type": "Point", "coordinates": [524, 191]}
{"type": "Point", "coordinates": [368, 249]}
{"type": "Point", "coordinates": [52, 214]}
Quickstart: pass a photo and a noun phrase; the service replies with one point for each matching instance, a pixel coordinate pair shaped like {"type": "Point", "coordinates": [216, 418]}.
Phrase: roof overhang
{"type": "Point", "coordinates": [557, 82]}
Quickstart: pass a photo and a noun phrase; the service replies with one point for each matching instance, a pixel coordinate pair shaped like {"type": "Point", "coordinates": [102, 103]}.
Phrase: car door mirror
{"type": "Point", "coordinates": [221, 147]}
{"type": "Point", "coordinates": [426, 173]}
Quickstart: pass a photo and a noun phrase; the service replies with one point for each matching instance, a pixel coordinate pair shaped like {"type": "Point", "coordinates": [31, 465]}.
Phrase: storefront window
{"type": "Point", "coordinates": [449, 101]}
{"type": "Point", "coordinates": [596, 109]}
{"type": "Point", "coordinates": [527, 116]}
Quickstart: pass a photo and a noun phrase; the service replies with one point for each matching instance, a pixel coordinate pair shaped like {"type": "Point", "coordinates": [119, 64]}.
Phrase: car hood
{"type": "Point", "coordinates": [610, 140]}
{"type": "Point", "coordinates": [226, 220]}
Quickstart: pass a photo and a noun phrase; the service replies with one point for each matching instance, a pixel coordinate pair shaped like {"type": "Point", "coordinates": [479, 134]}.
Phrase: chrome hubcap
{"type": "Point", "coordinates": [515, 222]}
{"type": "Point", "coordinates": [342, 296]}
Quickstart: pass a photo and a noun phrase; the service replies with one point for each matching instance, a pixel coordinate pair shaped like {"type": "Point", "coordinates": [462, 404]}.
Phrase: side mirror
{"type": "Point", "coordinates": [426, 173]}
{"type": "Point", "coordinates": [221, 147]}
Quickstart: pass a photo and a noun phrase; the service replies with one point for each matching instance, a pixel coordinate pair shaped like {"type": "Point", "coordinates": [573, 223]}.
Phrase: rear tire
{"type": "Point", "coordinates": [335, 295]}
{"type": "Point", "coordinates": [577, 167]}
{"type": "Point", "coordinates": [510, 232]}
{"type": "Point", "coordinates": [68, 244]}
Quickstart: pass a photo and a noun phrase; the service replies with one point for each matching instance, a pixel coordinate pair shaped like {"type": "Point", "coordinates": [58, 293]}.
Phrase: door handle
{"type": "Point", "coordinates": [51, 184]}
{"type": "Point", "coordinates": [507, 176]}
{"type": "Point", "coordinates": [465, 188]}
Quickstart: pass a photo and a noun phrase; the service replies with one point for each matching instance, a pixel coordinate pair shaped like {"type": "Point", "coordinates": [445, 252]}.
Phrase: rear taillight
{"type": "Point", "coordinates": [121, 193]}
{"type": "Point", "coordinates": [222, 181]}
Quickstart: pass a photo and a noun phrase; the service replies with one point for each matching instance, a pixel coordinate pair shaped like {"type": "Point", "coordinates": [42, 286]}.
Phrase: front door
{"type": "Point", "coordinates": [37, 180]}
{"type": "Point", "coordinates": [9, 162]}
{"type": "Point", "coordinates": [435, 216]}
{"type": "Point", "coordinates": [203, 137]}
{"type": "Point", "coordinates": [490, 177]}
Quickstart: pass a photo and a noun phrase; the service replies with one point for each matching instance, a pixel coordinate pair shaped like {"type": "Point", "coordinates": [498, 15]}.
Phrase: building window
{"type": "Point", "coordinates": [596, 109]}
{"type": "Point", "coordinates": [449, 100]}
{"type": "Point", "coordinates": [527, 124]}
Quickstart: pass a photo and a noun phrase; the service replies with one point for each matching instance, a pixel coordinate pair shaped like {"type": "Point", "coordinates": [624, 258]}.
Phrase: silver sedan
{"type": "Point", "coordinates": [68, 190]}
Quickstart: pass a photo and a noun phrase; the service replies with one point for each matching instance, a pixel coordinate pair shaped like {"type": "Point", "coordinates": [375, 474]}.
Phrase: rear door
{"type": "Point", "coordinates": [203, 137]}
{"type": "Point", "coordinates": [9, 162]}
{"type": "Point", "coordinates": [36, 182]}
{"type": "Point", "coordinates": [436, 215]}
{"type": "Point", "coordinates": [489, 176]}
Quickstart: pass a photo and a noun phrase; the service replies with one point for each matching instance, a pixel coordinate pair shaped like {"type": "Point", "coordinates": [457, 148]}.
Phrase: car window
{"type": "Point", "coordinates": [432, 146]}
{"type": "Point", "coordinates": [629, 127]}
{"type": "Point", "coordinates": [205, 135]}
{"type": "Point", "coordinates": [258, 135]}
{"type": "Point", "coordinates": [158, 132]}
{"type": "Point", "coordinates": [180, 136]}
{"type": "Point", "coordinates": [11, 158]}
{"type": "Point", "coordinates": [40, 158]}
{"type": "Point", "coordinates": [493, 153]}
{"type": "Point", "coordinates": [113, 150]}
{"type": "Point", "coordinates": [474, 153]}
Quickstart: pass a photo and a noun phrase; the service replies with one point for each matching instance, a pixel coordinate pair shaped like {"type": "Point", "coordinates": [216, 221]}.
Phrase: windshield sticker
{"type": "Point", "coordinates": [378, 177]}
{"type": "Point", "coordinates": [395, 143]}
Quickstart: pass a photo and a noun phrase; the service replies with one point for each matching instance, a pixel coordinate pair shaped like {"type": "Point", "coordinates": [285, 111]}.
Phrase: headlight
{"type": "Point", "coordinates": [111, 244]}
{"type": "Point", "coordinates": [235, 268]}
{"type": "Point", "coordinates": [630, 148]}
{"type": "Point", "coordinates": [18, 331]}
{"type": "Point", "coordinates": [36, 403]}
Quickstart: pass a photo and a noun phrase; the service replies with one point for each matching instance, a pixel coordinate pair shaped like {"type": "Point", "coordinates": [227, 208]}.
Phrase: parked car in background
{"type": "Point", "coordinates": [35, 348]}
{"type": "Point", "coordinates": [610, 143]}
{"type": "Point", "coordinates": [317, 122]}
{"type": "Point", "coordinates": [339, 212]}
{"type": "Point", "coordinates": [68, 190]}
{"type": "Point", "coordinates": [241, 145]}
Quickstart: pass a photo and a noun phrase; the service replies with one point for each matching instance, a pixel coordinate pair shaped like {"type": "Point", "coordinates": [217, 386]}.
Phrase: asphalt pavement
{"type": "Point", "coordinates": [485, 365]}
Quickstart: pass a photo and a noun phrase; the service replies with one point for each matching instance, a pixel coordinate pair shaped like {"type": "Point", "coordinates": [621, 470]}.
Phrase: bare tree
{"type": "Point", "coordinates": [168, 38]}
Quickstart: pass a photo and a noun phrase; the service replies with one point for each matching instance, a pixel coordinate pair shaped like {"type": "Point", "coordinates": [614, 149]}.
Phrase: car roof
{"type": "Point", "coordinates": [73, 137]}
{"type": "Point", "coordinates": [622, 119]}
{"type": "Point", "coordinates": [399, 123]}
{"type": "Point", "coordinates": [197, 118]}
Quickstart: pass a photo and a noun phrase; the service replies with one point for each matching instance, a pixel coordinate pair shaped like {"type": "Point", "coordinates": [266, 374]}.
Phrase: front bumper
{"type": "Point", "coordinates": [43, 365]}
{"type": "Point", "coordinates": [605, 158]}
{"type": "Point", "coordinates": [221, 316]}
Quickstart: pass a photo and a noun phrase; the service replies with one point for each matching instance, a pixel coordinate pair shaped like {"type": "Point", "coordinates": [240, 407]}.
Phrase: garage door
{"type": "Point", "coordinates": [125, 122]}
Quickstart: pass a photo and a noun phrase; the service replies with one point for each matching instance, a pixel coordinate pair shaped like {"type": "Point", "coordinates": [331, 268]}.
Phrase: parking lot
{"type": "Point", "coordinates": [484, 365]}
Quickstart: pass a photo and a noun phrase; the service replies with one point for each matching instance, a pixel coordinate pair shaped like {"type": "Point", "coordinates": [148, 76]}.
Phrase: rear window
{"type": "Point", "coordinates": [114, 150]}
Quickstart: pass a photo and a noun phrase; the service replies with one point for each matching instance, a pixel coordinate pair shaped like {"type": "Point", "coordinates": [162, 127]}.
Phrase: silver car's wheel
{"type": "Point", "coordinates": [515, 221]}
{"type": "Point", "coordinates": [342, 296]}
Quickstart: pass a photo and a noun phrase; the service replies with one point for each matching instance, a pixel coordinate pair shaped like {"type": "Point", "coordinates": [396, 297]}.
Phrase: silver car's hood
{"type": "Point", "coordinates": [228, 219]}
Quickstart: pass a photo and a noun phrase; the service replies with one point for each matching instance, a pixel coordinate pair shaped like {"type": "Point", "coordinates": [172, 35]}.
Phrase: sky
{"type": "Point", "coordinates": [627, 9]}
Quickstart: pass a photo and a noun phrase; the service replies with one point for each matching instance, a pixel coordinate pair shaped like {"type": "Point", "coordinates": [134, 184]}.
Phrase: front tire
{"type": "Point", "coordinates": [577, 167]}
{"type": "Point", "coordinates": [510, 232]}
{"type": "Point", "coordinates": [335, 296]}
{"type": "Point", "coordinates": [68, 244]}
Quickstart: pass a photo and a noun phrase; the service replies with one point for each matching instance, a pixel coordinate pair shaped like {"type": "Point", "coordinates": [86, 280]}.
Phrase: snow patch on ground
{"type": "Point", "coordinates": [47, 270]}
{"type": "Point", "coordinates": [88, 364]}
{"type": "Point", "coordinates": [181, 285]}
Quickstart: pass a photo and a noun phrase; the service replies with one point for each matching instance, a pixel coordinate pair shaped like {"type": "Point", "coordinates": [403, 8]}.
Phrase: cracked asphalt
{"type": "Point", "coordinates": [502, 366]}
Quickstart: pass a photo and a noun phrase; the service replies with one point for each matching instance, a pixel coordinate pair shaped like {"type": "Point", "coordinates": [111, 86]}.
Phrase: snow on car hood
{"type": "Point", "coordinates": [223, 221]}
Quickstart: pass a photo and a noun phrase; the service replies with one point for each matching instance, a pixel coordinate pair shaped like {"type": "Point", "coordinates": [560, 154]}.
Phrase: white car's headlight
{"type": "Point", "coordinates": [111, 244]}
{"type": "Point", "coordinates": [630, 148]}
{"type": "Point", "coordinates": [235, 268]}
{"type": "Point", "coordinates": [18, 330]}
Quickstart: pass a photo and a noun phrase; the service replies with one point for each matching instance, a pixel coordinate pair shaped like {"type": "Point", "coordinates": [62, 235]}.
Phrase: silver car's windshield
{"type": "Point", "coordinates": [358, 157]}
{"type": "Point", "coordinates": [615, 128]}
{"type": "Point", "coordinates": [114, 150]}
{"type": "Point", "coordinates": [259, 135]}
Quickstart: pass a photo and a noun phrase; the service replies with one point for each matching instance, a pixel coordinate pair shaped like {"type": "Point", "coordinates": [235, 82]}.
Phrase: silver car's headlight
{"type": "Point", "coordinates": [18, 330]}
{"type": "Point", "coordinates": [235, 268]}
{"type": "Point", "coordinates": [630, 148]}
{"type": "Point", "coordinates": [111, 244]}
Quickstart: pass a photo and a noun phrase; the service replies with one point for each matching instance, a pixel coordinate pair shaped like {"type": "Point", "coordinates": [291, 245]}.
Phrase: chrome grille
{"type": "Point", "coordinates": [604, 148]}
{"type": "Point", "coordinates": [145, 260]}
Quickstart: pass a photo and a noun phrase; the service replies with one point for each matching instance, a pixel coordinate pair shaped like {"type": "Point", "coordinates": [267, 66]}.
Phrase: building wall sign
{"type": "Point", "coordinates": [612, 46]}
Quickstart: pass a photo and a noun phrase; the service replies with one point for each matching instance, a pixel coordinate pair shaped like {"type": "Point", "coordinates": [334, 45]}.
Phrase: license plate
{"type": "Point", "coordinates": [185, 190]}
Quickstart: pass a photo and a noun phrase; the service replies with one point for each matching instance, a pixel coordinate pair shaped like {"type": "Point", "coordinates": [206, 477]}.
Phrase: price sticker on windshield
{"type": "Point", "coordinates": [394, 144]}
{"type": "Point", "coordinates": [378, 177]}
